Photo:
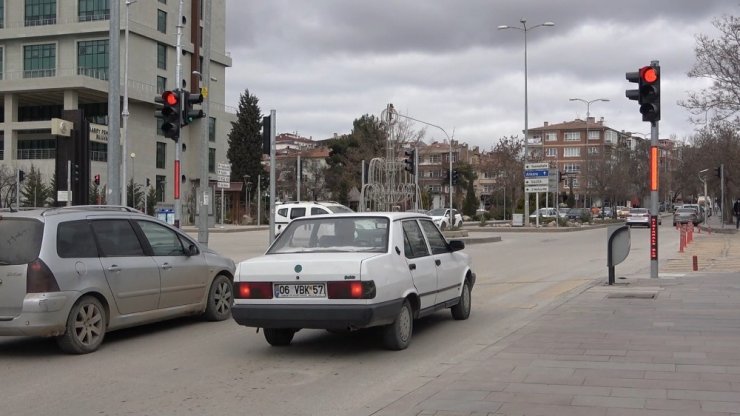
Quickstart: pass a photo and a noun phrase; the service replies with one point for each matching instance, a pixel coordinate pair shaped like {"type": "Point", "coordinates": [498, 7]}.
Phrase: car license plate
{"type": "Point", "coordinates": [300, 290]}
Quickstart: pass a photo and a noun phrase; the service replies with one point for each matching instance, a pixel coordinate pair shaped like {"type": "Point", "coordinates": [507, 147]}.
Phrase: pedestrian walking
{"type": "Point", "coordinates": [736, 211]}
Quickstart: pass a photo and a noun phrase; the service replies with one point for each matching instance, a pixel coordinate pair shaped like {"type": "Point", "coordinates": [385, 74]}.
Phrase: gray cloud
{"type": "Point", "coordinates": [323, 63]}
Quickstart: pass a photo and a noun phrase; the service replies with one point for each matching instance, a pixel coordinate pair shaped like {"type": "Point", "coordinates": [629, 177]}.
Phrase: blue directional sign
{"type": "Point", "coordinates": [535, 173]}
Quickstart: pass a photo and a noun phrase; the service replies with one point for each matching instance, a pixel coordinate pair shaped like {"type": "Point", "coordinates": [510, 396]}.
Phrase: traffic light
{"type": "Point", "coordinates": [188, 113]}
{"type": "Point", "coordinates": [648, 92]}
{"type": "Point", "coordinates": [21, 175]}
{"type": "Point", "coordinates": [76, 172]}
{"type": "Point", "coordinates": [266, 135]}
{"type": "Point", "coordinates": [455, 176]}
{"type": "Point", "coordinates": [409, 162]}
{"type": "Point", "coordinates": [97, 179]}
{"type": "Point", "coordinates": [718, 169]}
{"type": "Point", "coordinates": [170, 113]}
{"type": "Point", "coordinates": [561, 177]}
{"type": "Point", "coordinates": [147, 182]}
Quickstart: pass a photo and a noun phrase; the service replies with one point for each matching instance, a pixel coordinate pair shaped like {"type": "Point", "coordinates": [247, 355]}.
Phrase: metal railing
{"type": "Point", "coordinates": [98, 156]}
{"type": "Point", "coordinates": [25, 154]}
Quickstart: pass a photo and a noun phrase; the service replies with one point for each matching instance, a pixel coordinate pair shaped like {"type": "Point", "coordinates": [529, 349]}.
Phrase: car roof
{"type": "Point", "coordinates": [393, 216]}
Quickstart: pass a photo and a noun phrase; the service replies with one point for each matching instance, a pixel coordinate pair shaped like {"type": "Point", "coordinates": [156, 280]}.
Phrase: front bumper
{"type": "Point", "coordinates": [43, 314]}
{"type": "Point", "coordinates": [316, 316]}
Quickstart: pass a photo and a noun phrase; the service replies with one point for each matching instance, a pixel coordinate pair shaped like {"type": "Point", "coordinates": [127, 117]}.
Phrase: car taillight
{"type": "Point", "coordinates": [351, 290]}
{"type": "Point", "coordinates": [253, 290]}
{"type": "Point", "coordinates": [39, 278]}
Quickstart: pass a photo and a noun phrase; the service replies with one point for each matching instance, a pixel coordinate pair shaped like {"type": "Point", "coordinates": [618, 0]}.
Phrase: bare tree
{"type": "Point", "coordinates": [718, 60]}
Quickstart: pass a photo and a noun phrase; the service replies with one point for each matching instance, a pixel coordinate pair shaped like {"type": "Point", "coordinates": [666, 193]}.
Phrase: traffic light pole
{"type": "Point", "coordinates": [205, 76]}
{"type": "Point", "coordinates": [654, 195]}
{"type": "Point", "coordinates": [178, 143]}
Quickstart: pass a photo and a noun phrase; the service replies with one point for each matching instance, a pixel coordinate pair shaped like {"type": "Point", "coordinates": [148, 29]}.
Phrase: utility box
{"type": "Point", "coordinates": [517, 220]}
{"type": "Point", "coordinates": [618, 244]}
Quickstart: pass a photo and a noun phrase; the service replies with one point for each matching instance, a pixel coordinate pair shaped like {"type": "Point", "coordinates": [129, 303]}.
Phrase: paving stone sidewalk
{"type": "Point", "coordinates": [653, 347]}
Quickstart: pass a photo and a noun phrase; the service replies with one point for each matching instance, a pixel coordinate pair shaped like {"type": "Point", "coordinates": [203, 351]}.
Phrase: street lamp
{"type": "Point", "coordinates": [247, 185]}
{"type": "Point", "coordinates": [125, 113]}
{"type": "Point", "coordinates": [133, 179]}
{"type": "Point", "coordinates": [588, 115]}
{"type": "Point", "coordinates": [706, 203]}
{"type": "Point", "coordinates": [525, 29]}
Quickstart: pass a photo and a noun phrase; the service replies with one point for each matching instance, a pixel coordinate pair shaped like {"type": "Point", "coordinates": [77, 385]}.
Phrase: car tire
{"type": "Point", "coordinates": [220, 299]}
{"type": "Point", "coordinates": [461, 311]}
{"type": "Point", "coordinates": [397, 335]}
{"type": "Point", "coordinates": [85, 328]}
{"type": "Point", "coordinates": [443, 226]}
{"type": "Point", "coordinates": [279, 337]}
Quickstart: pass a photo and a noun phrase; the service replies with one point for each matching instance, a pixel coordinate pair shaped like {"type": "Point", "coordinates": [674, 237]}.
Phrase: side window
{"type": "Point", "coordinates": [164, 242]}
{"type": "Point", "coordinates": [187, 243]}
{"type": "Point", "coordinates": [413, 240]}
{"type": "Point", "coordinates": [297, 213]}
{"type": "Point", "coordinates": [283, 212]}
{"type": "Point", "coordinates": [117, 238]}
{"type": "Point", "coordinates": [318, 211]}
{"type": "Point", "coordinates": [75, 240]}
{"type": "Point", "coordinates": [436, 240]}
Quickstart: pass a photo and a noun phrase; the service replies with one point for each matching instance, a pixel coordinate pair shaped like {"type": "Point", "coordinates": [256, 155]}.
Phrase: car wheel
{"type": "Point", "coordinates": [220, 299]}
{"type": "Point", "coordinates": [461, 311]}
{"type": "Point", "coordinates": [397, 335]}
{"type": "Point", "coordinates": [279, 337]}
{"type": "Point", "coordinates": [86, 326]}
{"type": "Point", "coordinates": [443, 226]}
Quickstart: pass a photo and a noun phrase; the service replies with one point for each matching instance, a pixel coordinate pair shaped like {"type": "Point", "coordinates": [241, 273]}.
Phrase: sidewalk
{"type": "Point", "coordinates": [653, 347]}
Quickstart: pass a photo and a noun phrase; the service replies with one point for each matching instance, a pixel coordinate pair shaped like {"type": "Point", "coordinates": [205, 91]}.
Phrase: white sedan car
{"type": "Point", "coordinates": [441, 217]}
{"type": "Point", "coordinates": [353, 271]}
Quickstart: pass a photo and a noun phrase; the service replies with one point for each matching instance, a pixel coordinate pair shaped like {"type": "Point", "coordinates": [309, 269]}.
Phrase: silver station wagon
{"type": "Point", "coordinates": [75, 273]}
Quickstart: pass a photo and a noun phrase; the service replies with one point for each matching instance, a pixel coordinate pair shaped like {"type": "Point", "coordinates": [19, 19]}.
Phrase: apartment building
{"type": "Point", "coordinates": [54, 56]}
{"type": "Point", "coordinates": [434, 165]}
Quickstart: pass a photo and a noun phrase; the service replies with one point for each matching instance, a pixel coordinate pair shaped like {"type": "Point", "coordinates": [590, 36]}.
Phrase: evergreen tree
{"type": "Point", "coordinates": [34, 193]}
{"type": "Point", "coordinates": [151, 200]}
{"type": "Point", "coordinates": [471, 201]}
{"type": "Point", "coordinates": [245, 142]}
{"type": "Point", "coordinates": [135, 195]}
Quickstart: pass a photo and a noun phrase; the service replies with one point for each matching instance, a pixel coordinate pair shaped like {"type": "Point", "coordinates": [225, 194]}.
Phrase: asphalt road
{"type": "Point", "coordinates": [191, 367]}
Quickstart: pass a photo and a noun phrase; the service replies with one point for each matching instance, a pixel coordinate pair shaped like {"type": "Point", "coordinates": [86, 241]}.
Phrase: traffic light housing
{"type": "Point", "coordinates": [97, 179]}
{"type": "Point", "coordinates": [718, 169]}
{"type": "Point", "coordinates": [561, 176]}
{"type": "Point", "coordinates": [21, 175]}
{"type": "Point", "coordinates": [410, 161]}
{"type": "Point", "coordinates": [189, 113]}
{"type": "Point", "coordinates": [455, 176]}
{"type": "Point", "coordinates": [147, 182]}
{"type": "Point", "coordinates": [266, 125]}
{"type": "Point", "coordinates": [76, 172]}
{"type": "Point", "coordinates": [648, 92]}
{"type": "Point", "coordinates": [170, 113]}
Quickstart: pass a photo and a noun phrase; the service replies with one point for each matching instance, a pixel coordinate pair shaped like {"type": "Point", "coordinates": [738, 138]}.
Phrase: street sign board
{"type": "Point", "coordinates": [223, 172]}
{"type": "Point", "coordinates": [222, 184]}
{"type": "Point", "coordinates": [535, 173]}
{"type": "Point", "coordinates": [537, 166]}
{"type": "Point", "coordinates": [223, 178]}
{"type": "Point", "coordinates": [536, 181]}
{"type": "Point", "coordinates": [536, 188]}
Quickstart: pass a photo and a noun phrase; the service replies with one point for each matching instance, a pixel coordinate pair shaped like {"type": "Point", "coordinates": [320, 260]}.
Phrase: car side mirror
{"type": "Point", "coordinates": [456, 245]}
{"type": "Point", "coordinates": [192, 250]}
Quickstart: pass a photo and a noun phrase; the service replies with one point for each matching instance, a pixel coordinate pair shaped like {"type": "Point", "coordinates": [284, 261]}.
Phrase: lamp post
{"type": "Point", "coordinates": [588, 115]}
{"type": "Point", "coordinates": [133, 180]}
{"type": "Point", "coordinates": [247, 185]}
{"type": "Point", "coordinates": [525, 29]}
{"type": "Point", "coordinates": [125, 113]}
{"type": "Point", "coordinates": [704, 181]}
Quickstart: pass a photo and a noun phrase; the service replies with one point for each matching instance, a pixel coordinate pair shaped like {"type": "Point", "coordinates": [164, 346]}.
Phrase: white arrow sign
{"type": "Point", "coordinates": [538, 188]}
{"type": "Point", "coordinates": [536, 166]}
{"type": "Point", "coordinates": [536, 181]}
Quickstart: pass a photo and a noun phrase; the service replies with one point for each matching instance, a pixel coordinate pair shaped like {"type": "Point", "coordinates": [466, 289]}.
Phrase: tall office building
{"type": "Point", "coordinates": [54, 56]}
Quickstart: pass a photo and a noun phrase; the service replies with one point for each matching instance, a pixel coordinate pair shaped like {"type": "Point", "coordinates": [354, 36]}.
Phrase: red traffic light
{"type": "Point", "coordinates": [169, 98]}
{"type": "Point", "coordinates": [649, 74]}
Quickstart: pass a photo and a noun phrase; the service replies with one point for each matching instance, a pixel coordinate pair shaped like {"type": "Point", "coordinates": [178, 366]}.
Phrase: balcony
{"type": "Point", "coordinates": [25, 154]}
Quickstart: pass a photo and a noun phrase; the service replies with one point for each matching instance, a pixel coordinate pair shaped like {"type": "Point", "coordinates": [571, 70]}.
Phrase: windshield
{"type": "Point", "coordinates": [336, 234]}
{"type": "Point", "coordinates": [338, 209]}
{"type": "Point", "coordinates": [639, 211]}
{"type": "Point", "coordinates": [20, 240]}
{"type": "Point", "coordinates": [438, 212]}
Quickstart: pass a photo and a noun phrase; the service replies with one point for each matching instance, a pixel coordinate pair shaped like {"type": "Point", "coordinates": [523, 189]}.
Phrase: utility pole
{"type": "Point", "coordinates": [272, 176]}
{"type": "Point", "coordinates": [114, 107]}
{"type": "Point", "coordinates": [178, 143]}
{"type": "Point", "coordinates": [205, 77]}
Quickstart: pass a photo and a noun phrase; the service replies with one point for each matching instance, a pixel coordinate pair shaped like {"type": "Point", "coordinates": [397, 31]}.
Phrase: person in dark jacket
{"type": "Point", "coordinates": [736, 211]}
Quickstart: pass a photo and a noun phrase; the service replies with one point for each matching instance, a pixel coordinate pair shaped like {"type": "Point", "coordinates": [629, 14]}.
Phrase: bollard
{"type": "Point", "coordinates": [689, 233]}
{"type": "Point", "coordinates": [695, 262]}
{"type": "Point", "coordinates": [681, 240]}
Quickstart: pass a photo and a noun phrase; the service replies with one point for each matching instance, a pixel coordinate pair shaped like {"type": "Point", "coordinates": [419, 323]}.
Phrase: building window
{"type": "Point", "coordinates": [593, 150]}
{"type": "Point", "coordinates": [2, 14]}
{"type": "Point", "coordinates": [571, 152]}
{"type": "Point", "coordinates": [610, 136]}
{"type": "Point", "coordinates": [162, 21]}
{"type": "Point", "coordinates": [89, 10]}
{"type": "Point", "coordinates": [1, 56]}
{"type": "Point", "coordinates": [161, 84]}
{"type": "Point", "coordinates": [212, 129]}
{"type": "Point", "coordinates": [211, 160]}
{"type": "Point", "coordinates": [575, 183]}
{"type": "Point", "coordinates": [551, 152]}
{"type": "Point", "coordinates": [36, 149]}
{"type": "Point", "coordinates": [551, 136]}
{"type": "Point", "coordinates": [435, 189]}
{"type": "Point", "coordinates": [39, 60]}
{"type": "Point", "coordinates": [98, 151]}
{"type": "Point", "coordinates": [572, 136]}
{"type": "Point", "coordinates": [160, 182]}
{"type": "Point", "coordinates": [92, 58]}
{"type": "Point", "coordinates": [161, 56]}
{"type": "Point", "coordinates": [163, 1]}
{"type": "Point", "coordinates": [161, 155]}
{"type": "Point", "coordinates": [435, 158]}
{"type": "Point", "coordinates": [159, 126]}
{"type": "Point", "coordinates": [41, 12]}
{"type": "Point", "coordinates": [594, 135]}
{"type": "Point", "coordinates": [572, 168]}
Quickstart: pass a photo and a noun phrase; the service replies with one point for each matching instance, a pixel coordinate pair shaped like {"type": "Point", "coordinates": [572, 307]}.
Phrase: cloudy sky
{"type": "Point", "coordinates": [323, 63]}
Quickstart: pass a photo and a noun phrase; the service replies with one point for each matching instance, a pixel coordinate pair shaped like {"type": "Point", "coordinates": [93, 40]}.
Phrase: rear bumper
{"type": "Point", "coordinates": [316, 316]}
{"type": "Point", "coordinates": [43, 314]}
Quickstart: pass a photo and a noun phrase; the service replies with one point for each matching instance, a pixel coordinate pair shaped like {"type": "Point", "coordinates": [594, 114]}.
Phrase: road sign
{"type": "Point", "coordinates": [536, 181]}
{"type": "Point", "coordinates": [537, 188]}
{"type": "Point", "coordinates": [535, 173]}
{"type": "Point", "coordinates": [222, 184]}
{"type": "Point", "coordinates": [223, 178]}
{"type": "Point", "coordinates": [223, 172]}
{"type": "Point", "coordinates": [536, 166]}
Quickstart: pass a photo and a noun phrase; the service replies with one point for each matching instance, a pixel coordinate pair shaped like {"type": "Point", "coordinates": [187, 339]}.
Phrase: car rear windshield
{"type": "Point", "coordinates": [338, 209]}
{"type": "Point", "coordinates": [639, 211]}
{"type": "Point", "coordinates": [333, 234]}
{"type": "Point", "coordinates": [20, 240]}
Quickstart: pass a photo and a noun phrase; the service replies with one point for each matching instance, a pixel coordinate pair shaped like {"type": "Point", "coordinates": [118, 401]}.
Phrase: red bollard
{"type": "Point", "coordinates": [695, 262]}
{"type": "Point", "coordinates": [681, 240]}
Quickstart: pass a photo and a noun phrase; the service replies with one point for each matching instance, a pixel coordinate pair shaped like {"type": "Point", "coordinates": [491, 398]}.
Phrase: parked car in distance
{"type": "Point", "coordinates": [441, 217]}
{"type": "Point", "coordinates": [353, 271]}
{"type": "Point", "coordinates": [549, 213]}
{"type": "Point", "coordinates": [75, 273]}
{"type": "Point", "coordinates": [699, 211]}
{"type": "Point", "coordinates": [579, 214]}
{"type": "Point", "coordinates": [606, 212]}
{"type": "Point", "coordinates": [622, 212]}
{"type": "Point", "coordinates": [685, 216]}
{"type": "Point", "coordinates": [287, 211]}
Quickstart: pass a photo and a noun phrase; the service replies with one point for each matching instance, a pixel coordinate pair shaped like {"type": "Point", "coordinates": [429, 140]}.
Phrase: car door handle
{"type": "Point", "coordinates": [114, 268]}
{"type": "Point", "coordinates": [166, 266]}
{"type": "Point", "coordinates": [412, 266]}
{"type": "Point", "coordinates": [438, 262]}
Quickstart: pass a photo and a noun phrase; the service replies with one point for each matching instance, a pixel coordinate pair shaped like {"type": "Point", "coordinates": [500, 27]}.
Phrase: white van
{"type": "Point", "coordinates": [287, 211]}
